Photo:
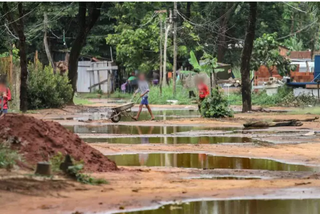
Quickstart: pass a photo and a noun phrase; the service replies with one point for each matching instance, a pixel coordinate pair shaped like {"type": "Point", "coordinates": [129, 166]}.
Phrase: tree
{"type": "Point", "coordinates": [88, 14]}
{"type": "Point", "coordinates": [17, 24]}
{"type": "Point", "coordinates": [246, 57]}
{"type": "Point", "coordinates": [266, 53]}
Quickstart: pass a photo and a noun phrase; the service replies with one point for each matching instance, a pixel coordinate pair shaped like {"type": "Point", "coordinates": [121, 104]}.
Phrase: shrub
{"type": "Point", "coordinates": [216, 106]}
{"type": "Point", "coordinates": [46, 89]}
{"type": "Point", "coordinates": [75, 171]}
{"type": "Point", "coordinates": [8, 157]}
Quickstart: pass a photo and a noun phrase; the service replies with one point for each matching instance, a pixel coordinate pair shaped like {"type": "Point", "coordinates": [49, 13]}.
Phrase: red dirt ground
{"type": "Point", "coordinates": [39, 140]}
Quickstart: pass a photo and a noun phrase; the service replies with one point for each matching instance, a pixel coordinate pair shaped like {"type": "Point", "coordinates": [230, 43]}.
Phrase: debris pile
{"type": "Point", "coordinates": [39, 140]}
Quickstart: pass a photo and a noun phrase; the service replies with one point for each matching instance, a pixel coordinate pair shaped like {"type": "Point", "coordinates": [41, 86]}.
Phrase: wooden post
{"type": "Point", "coordinates": [164, 77]}
{"type": "Point", "coordinates": [11, 70]}
{"type": "Point", "coordinates": [46, 45]}
{"type": "Point", "coordinates": [161, 68]}
{"type": "Point", "coordinates": [174, 48]}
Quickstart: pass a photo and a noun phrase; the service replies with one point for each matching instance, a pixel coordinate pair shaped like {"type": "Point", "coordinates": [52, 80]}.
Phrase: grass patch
{"type": "Point", "coordinates": [311, 110]}
{"type": "Point", "coordinates": [119, 94]}
{"type": "Point", "coordinates": [81, 101]}
{"type": "Point", "coordinates": [182, 95]}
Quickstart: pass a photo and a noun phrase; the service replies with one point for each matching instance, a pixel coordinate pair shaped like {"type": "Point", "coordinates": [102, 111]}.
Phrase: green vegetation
{"type": "Point", "coordinates": [182, 95]}
{"type": "Point", "coordinates": [46, 89]}
{"type": "Point", "coordinates": [81, 101]}
{"type": "Point", "coordinates": [8, 157]}
{"type": "Point", "coordinates": [308, 110]}
{"type": "Point", "coordinates": [216, 106]}
{"type": "Point", "coordinates": [75, 170]}
{"type": "Point", "coordinates": [284, 97]}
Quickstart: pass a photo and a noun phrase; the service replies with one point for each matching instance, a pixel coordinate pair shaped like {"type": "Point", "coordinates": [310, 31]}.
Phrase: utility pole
{"type": "Point", "coordinates": [174, 47]}
{"type": "Point", "coordinates": [45, 42]}
{"type": "Point", "coordinates": [160, 47]}
{"type": "Point", "coordinates": [164, 82]}
{"type": "Point", "coordinates": [161, 69]}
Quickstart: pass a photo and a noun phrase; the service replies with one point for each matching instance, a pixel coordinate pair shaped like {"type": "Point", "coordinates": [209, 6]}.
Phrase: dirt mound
{"type": "Point", "coordinates": [39, 140]}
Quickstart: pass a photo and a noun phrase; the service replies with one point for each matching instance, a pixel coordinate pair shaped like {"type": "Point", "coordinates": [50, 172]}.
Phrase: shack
{"type": "Point", "coordinates": [98, 75]}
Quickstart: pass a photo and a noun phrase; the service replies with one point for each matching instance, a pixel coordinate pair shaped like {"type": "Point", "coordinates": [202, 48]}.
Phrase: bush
{"type": "Point", "coordinates": [8, 157]}
{"type": "Point", "coordinates": [216, 106]}
{"type": "Point", "coordinates": [46, 89]}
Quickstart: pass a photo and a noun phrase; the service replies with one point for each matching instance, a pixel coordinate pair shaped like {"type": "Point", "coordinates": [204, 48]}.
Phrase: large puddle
{"type": "Point", "coordinates": [190, 160]}
{"type": "Point", "coordinates": [170, 140]}
{"type": "Point", "coordinates": [159, 115]}
{"type": "Point", "coordinates": [308, 206]}
{"type": "Point", "coordinates": [124, 129]}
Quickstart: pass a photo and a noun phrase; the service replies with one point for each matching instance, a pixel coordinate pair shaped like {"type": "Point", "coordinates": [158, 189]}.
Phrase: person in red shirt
{"type": "Point", "coordinates": [203, 91]}
{"type": "Point", "coordinates": [5, 96]}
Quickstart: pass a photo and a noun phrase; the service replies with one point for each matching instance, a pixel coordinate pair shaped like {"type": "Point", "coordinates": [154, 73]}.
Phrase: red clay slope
{"type": "Point", "coordinates": [39, 140]}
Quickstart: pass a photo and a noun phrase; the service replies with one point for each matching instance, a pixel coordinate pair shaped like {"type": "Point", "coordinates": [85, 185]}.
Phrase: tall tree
{"type": "Point", "coordinates": [16, 23]}
{"type": "Point", "coordinates": [88, 14]}
{"type": "Point", "coordinates": [246, 57]}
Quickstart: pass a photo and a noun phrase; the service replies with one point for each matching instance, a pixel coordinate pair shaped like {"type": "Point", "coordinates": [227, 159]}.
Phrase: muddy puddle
{"type": "Point", "coordinates": [170, 140]}
{"type": "Point", "coordinates": [193, 160]}
{"type": "Point", "coordinates": [124, 129]}
{"type": "Point", "coordinates": [307, 206]}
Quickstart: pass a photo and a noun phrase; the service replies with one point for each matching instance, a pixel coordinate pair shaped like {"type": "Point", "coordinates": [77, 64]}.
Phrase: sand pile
{"type": "Point", "coordinates": [39, 140]}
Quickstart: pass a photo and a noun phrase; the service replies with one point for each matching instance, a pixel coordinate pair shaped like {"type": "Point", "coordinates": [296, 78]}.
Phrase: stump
{"type": "Point", "coordinates": [43, 168]}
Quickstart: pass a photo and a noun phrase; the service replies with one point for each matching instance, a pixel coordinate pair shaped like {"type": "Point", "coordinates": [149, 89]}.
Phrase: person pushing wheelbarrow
{"type": "Point", "coordinates": [143, 88]}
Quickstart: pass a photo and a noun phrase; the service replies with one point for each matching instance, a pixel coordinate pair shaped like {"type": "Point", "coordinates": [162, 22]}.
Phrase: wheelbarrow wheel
{"type": "Point", "coordinates": [115, 117]}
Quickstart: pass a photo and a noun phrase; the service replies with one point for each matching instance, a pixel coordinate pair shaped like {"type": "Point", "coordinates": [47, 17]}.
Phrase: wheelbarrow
{"type": "Point", "coordinates": [122, 110]}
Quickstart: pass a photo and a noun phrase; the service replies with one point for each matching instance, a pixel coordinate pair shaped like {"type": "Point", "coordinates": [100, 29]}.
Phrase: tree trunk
{"type": "Point", "coordinates": [85, 25]}
{"type": "Point", "coordinates": [246, 57]}
{"type": "Point", "coordinates": [18, 27]}
{"type": "Point", "coordinates": [188, 12]}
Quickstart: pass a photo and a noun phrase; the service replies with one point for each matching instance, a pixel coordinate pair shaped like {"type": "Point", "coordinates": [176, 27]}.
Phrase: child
{"type": "Point", "coordinates": [203, 91]}
{"type": "Point", "coordinates": [143, 88]}
{"type": "Point", "coordinates": [5, 95]}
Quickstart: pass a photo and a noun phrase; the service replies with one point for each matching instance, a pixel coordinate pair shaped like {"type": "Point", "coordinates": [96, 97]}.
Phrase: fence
{"type": "Point", "coordinates": [96, 75]}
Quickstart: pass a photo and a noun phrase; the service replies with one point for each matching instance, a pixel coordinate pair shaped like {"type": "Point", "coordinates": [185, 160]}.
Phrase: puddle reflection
{"type": "Point", "coordinates": [189, 160]}
{"type": "Point", "coordinates": [171, 140]}
{"type": "Point", "coordinates": [124, 129]}
{"type": "Point", "coordinates": [309, 206]}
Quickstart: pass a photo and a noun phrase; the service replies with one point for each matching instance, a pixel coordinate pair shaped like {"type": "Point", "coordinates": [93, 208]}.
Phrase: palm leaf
{"type": "Point", "coordinates": [194, 62]}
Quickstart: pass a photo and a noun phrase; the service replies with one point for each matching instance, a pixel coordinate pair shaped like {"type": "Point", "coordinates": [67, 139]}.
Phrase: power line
{"type": "Point", "coordinates": [201, 25]}
{"type": "Point", "coordinates": [22, 16]}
